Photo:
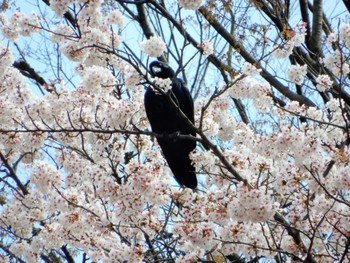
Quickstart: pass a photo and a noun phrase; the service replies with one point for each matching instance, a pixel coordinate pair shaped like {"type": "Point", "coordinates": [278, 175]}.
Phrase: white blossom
{"type": "Point", "coordinates": [115, 17]}
{"type": "Point", "coordinates": [60, 6]}
{"type": "Point", "coordinates": [337, 64]}
{"type": "Point", "coordinates": [164, 84]}
{"type": "Point", "coordinates": [83, 153]}
{"type": "Point", "coordinates": [191, 4]}
{"type": "Point", "coordinates": [131, 76]}
{"type": "Point", "coordinates": [19, 24]}
{"type": "Point", "coordinates": [344, 33]}
{"type": "Point", "coordinates": [95, 78]}
{"type": "Point", "coordinates": [324, 82]}
{"type": "Point", "coordinates": [297, 39]}
{"type": "Point", "coordinates": [332, 37]}
{"type": "Point", "coordinates": [6, 59]}
{"type": "Point", "coordinates": [154, 47]}
{"type": "Point", "coordinates": [207, 47]}
{"type": "Point", "coordinates": [250, 69]}
{"type": "Point", "coordinates": [296, 73]}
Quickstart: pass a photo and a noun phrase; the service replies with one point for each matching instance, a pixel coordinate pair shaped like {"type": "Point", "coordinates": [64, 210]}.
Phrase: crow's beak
{"type": "Point", "coordinates": [156, 70]}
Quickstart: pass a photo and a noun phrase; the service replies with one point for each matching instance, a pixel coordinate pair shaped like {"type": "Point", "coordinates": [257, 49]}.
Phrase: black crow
{"type": "Point", "coordinates": [165, 121]}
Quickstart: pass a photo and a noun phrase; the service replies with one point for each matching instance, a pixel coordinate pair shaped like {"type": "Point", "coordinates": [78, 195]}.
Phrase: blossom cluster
{"type": "Point", "coordinates": [249, 88]}
{"type": "Point", "coordinates": [296, 73]}
{"type": "Point", "coordinates": [343, 35]}
{"type": "Point", "coordinates": [191, 4]}
{"type": "Point", "coordinates": [19, 25]}
{"type": "Point", "coordinates": [60, 6]}
{"type": "Point", "coordinates": [335, 62]}
{"type": "Point", "coordinates": [131, 76]}
{"type": "Point", "coordinates": [96, 31]}
{"type": "Point", "coordinates": [250, 70]}
{"type": "Point", "coordinates": [298, 37]}
{"type": "Point", "coordinates": [324, 83]}
{"type": "Point", "coordinates": [164, 84]}
{"type": "Point", "coordinates": [88, 159]}
{"type": "Point", "coordinates": [154, 46]}
{"type": "Point", "coordinates": [207, 47]}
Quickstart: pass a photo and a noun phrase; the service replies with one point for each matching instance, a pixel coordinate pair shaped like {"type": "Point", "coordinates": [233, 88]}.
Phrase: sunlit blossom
{"type": "Point", "coordinates": [296, 73]}
{"type": "Point", "coordinates": [191, 4]}
{"type": "Point", "coordinates": [154, 47]}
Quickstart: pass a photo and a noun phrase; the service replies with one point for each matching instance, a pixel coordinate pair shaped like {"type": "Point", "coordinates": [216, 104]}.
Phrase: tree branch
{"type": "Point", "coordinates": [305, 15]}
{"type": "Point", "coordinates": [246, 55]}
{"type": "Point", "coordinates": [67, 15]}
{"type": "Point", "coordinates": [317, 21]}
{"type": "Point", "coordinates": [13, 174]}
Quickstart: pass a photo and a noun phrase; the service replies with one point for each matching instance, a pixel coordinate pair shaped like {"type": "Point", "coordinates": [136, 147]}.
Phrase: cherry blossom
{"type": "Point", "coordinates": [192, 5]}
{"type": "Point", "coordinates": [207, 47]}
{"type": "Point", "coordinates": [296, 73]}
{"type": "Point", "coordinates": [324, 82]}
{"type": "Point", "coordinates": [154, 47]}
{"type": "Point", "coordinates": [19, 24]}
{"type": "Point", "coordinates": [82, 175]}
{"type": "Point", "coordinates": [250, 69]}
{"type": "Point", "coordinates": [164, 84]}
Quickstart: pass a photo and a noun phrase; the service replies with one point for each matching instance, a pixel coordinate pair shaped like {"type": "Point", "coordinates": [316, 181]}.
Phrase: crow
{"type": "Point", "coordinates": [165, 121]}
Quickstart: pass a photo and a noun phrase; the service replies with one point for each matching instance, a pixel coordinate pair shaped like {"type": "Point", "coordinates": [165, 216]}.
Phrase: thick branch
{"type": "Point", "coordinates": [271, 14]}
{"type": "Point", "coordinates": [13, 174]}
{"type": "Point", "coordinates": [317, 21]}
{"type": "Point", "coordinates": [67, 254]}
{"type": "Point", "coordinates": [305, 15]}
{"type": "Point", "coordinates": [142, 19]}
{"type": "Point", "coordinates": [28, 71]}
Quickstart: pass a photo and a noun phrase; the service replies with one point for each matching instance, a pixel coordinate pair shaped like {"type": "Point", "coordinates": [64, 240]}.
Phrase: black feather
{"type": "Point", "coordinates": [164, 120]}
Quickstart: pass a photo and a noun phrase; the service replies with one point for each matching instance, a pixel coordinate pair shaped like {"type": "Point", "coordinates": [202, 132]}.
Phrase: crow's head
{"type": "Point", "coordinates": [161, 70]}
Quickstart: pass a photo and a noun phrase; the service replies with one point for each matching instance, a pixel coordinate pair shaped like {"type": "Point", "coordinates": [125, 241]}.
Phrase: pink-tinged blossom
{"type": "Point", "coordinates": [339, 178]}
{"type": "Point", "coordinates": [191, 4]}
{"type": "Point", "coordinates": [296, 73]}
{"type": "Point", "coordinates": [207, 47]}
{"type": "Point", "coordinates": [6, 59]}
{"type": "Point", "coordinates": [250, 69]}
{"type": "Point", "coordinates": [60, 6]}
{"type": "Point", "coordinates": [286, 49]}
{"type": "Point", "coordinates": [24, 249]}
{"type": "Point", "coordinates": [334, 107]}
{"type": "Point", "coordinates": [74, 51]}
{"type": "Point", "coordinates": [19, 24]}
{"type": "Point", "coordinates": [200, 236]}
{"type": "Point", "coordinates": [98, 80]}
{"type": "Point", "coordinates": [115, 17]}
{"type": "Point", "coordinates": [45, 177]}
{"type": "Point", "coordinates": [94, 36]}
{"type": "Point", "coordinates": [252, 205]}
{"type": "Point", "coordinates": [344, 33]}
{"type": "Point", "coordinates": [30, 25]}
{"type": "Point", "coordinates": [154, 47]}
{"type": "Point", "coordinates": [337, 64]}
{"type": "Point", "coordinates": [131, 76]}
{"type": "Point", "coordinates": [324, 83]}
{"type": "Point", "coordinates": [60, 34]}
{"type": "Point", "coordinates": [163, 84]}
{"type": "Point", "coordinates": [247, 88]}
{"type": "Point", "coordinates": [332, 37]}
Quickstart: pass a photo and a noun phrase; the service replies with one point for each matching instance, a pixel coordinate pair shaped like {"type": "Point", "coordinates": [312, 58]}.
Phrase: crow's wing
{"type": "Point", "coordinates": [164, 120]}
